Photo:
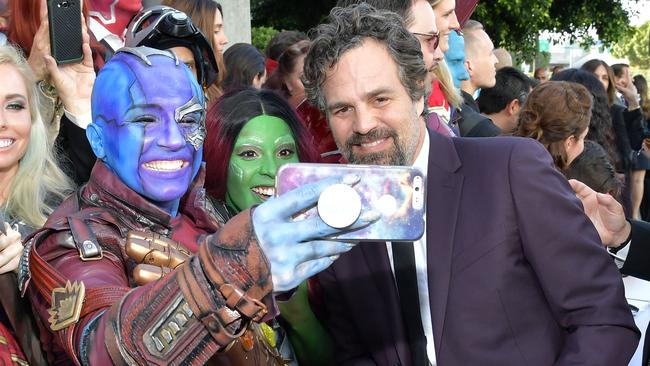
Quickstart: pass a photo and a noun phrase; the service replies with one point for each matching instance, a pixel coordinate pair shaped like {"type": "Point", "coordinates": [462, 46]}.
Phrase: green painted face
{"type": "Point", "coordinates": [262, 147]}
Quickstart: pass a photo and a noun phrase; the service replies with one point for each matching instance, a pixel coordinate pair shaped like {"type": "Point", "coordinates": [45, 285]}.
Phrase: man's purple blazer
{"type": "Point", "coordinates": [517, 273]}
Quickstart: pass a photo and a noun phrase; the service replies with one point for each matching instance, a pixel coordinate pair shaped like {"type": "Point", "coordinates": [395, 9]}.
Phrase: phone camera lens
{"type": "Point", "coordinates": [417, 189]}
{"type": "Point", "coordinates": [64, 4]}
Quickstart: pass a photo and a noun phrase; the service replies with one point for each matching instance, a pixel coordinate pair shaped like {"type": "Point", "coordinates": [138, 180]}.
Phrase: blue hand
{"type": "Point", "coordinates": [291, 247]}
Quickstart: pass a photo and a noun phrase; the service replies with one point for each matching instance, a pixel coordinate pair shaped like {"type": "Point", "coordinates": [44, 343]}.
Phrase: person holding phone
{"type": "Point", "coordinates": [509, 272]}
{"type": "Point", "coordinates": [136, 267]}
{"type": "Point", "coordinates": [64, 90]}
{"type": "Point", "coordinates": [251, 134]}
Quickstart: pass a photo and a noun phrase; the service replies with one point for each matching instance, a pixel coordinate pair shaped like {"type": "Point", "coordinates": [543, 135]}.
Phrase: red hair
{"type": "Point", "coordinates": [24, 20]}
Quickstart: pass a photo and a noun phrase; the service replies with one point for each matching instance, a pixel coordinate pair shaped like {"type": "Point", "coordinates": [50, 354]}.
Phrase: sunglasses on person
{"type": "Point", "coordinates": [432, 39]}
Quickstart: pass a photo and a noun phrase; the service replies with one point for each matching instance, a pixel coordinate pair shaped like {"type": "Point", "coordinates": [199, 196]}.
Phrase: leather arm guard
{"type": "Point", "coordinates": [198, 309]}
{"type": "Point", "coordinates": [157, 256]}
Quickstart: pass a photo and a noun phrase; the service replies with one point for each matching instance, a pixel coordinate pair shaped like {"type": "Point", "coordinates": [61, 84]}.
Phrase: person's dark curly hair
{"type": "Point", "coordinates": [553, 112]}
{"type": "Point", "coordinates": [403, 8]}
{"type": "Point", "coordinates": [346, 29]}
{"type": "Point", "coordinates": [601, 129]}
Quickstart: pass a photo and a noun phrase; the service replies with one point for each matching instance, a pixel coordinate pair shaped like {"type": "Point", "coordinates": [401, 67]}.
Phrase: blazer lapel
{"type": "Point", "coordinates": [444, 187]}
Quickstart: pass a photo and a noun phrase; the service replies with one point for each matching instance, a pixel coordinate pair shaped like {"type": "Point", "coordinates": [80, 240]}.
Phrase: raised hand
{"type": "Point", "coordinates": [74, 82]}
{"type": "Point", "coordinates": [293, 247]}
{"type": "Point", "coordinates": [40, 46]}
{"type": "Point", "coordinates": [11, 248]}
{"type": "Point", "coordinates": [605, 213]}
{"type": "Point", "coordinates": [628, 89]}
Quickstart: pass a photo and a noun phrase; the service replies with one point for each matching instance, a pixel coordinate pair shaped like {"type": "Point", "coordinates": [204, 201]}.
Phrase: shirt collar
{"type": "Point", "coordinates": [422, 160]}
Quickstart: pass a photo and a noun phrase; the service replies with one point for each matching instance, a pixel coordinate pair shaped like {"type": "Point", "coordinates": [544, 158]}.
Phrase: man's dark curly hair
{"type": "Point", "coordinates": [346, 29]}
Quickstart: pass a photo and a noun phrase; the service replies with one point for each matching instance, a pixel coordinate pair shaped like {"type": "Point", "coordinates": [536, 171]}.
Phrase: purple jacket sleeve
{"type": "Point", "coordinates": [637, 263]}
{"type": "Point", "coordinates": [581, 283]}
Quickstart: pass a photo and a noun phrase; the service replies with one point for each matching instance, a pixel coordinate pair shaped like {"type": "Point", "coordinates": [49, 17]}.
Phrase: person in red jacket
{"type": "Point", "coordinates": [136, 268]}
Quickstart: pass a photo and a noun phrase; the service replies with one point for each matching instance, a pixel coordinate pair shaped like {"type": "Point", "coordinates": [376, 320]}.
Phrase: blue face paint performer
{"type": "Point", "coordinates": [455, 57]}
{"type": "Point", "coordinates": [136, 268]}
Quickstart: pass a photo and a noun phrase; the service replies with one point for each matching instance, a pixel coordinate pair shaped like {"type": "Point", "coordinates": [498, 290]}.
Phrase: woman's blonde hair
{"type": "Point", "coordinates": [445, 80]}
{"type": "Point", "coordinates": [446, 83]}
{"type": "Point", "coordinates": [39, 182]}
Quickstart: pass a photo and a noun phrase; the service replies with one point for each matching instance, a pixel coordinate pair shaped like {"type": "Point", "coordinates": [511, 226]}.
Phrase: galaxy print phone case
{"type": "Point", "coordinates": [396, 192]}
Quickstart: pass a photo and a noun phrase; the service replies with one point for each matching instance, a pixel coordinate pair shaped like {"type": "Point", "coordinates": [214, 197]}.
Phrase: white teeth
{"type": "Point", "coordinates": [265, 191]}
{"type": "Point", "coordinates": [165, 165]}
{"type": "Point", "coordinates": [6, 142]}
{"type": "Point", "coordinates": [374, 143]}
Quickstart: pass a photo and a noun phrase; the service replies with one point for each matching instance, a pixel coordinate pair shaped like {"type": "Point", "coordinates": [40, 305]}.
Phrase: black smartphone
{"type": "Point", "coordinates": [65, 30]}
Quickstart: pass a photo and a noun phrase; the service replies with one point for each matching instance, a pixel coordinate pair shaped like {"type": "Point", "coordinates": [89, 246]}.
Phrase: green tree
{"type": "Point", "coordinates": [516, 24]}
{"type": "Point", "coordinates": [513, 24]}
{"type": "Point", "coordinates": [290, 14]}
{"type": "Point", "coordinates": [261, 36]}
{"type": "Point", "coordinates": [634, 46]}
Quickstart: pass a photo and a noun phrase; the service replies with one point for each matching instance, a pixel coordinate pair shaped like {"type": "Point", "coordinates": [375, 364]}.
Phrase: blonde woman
{"type": "Point", "coordinates": [444, 95]}
{"type": "Point", "coordinates": [30, 179]}
{"type": "Point", "coordinates": [31, 184]}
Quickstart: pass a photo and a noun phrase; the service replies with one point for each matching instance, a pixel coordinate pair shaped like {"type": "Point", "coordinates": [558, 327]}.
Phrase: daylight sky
{"type": "Point", "coordinates": [639, 12]}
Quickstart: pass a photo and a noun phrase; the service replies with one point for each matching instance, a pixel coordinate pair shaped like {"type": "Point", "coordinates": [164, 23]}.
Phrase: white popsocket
{"type": "Point", "coordinates": [339, 206]}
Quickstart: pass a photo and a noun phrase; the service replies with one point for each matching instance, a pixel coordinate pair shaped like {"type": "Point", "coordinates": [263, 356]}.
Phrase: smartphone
{"type": "Point", "coordinates": [65, 30]}
{"type": "Point", "coordinates": [396, 192]}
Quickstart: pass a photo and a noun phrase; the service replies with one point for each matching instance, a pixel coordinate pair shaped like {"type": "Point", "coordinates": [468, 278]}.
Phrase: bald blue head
{"type": "Point", "coordinates": [149, 123]}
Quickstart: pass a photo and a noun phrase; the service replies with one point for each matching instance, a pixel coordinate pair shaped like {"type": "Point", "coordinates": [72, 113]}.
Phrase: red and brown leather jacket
{"type": "Point", "coordinates": [10, 352]}
{"type": "Point", "coordinates": [80, 279]}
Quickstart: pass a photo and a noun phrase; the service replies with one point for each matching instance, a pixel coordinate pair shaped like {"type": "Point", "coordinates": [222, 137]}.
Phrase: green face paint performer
{"type": "Point", "coordinates": [262, 147]}
{"type": "Point", "coordinates": [251, 134]}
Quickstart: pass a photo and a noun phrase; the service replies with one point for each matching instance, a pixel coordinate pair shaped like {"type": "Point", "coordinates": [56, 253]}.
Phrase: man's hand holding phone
{"type": "Point", "coordinates": [293, 247]}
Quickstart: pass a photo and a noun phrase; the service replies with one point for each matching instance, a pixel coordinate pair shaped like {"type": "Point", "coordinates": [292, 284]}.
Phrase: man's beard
{"type": "Point", "coordinates": [392, 156]}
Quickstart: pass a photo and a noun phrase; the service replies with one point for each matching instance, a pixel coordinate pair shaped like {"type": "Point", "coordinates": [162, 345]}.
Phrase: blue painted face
{"type": "Point", "coordinates": [149, 124]}
{"type": "Point", "coordinates": [455, 57]}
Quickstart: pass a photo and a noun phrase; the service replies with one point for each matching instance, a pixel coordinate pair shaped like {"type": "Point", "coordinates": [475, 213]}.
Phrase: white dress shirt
{"type": "Point", "coordinates": [420, 248]}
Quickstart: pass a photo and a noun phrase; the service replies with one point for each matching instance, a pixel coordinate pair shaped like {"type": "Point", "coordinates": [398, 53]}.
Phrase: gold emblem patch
{"type": "Point", "coordinates": [66, 305]}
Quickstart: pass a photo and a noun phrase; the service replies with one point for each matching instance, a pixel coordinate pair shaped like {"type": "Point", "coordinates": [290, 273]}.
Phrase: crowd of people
{"type": "Point", "coordinates": [141, 225]}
